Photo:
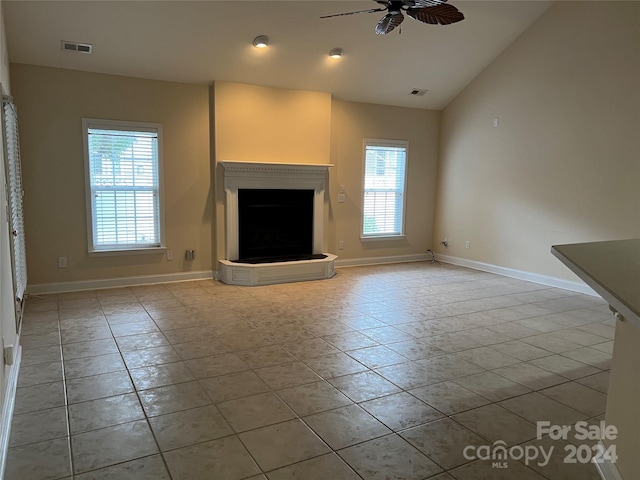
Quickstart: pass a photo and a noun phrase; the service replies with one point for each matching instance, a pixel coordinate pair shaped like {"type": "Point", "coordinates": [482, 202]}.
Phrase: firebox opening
{"type": "Point", "coordinates": [275, 225]}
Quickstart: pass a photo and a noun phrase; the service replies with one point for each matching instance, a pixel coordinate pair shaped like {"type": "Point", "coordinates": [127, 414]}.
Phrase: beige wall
{"type": "Point", "coordinates": [563, 165]}
{"type": "Point", "coordinates": [265, 124]}
{"type": "Point", "coordinates": [51, 103]}
{"type": "Point", "coordinates": [350, 124]}
{"type": "Point", "coordinates": [227, 122]}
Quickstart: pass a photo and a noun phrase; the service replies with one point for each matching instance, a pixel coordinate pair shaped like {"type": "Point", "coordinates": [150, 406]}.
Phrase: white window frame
{"type": "Point", "coordinates": [12, 178]}
{"type": "Point", "coordinates": [125, 249]}
{"type": "Point", "coordinates": [384, 143]}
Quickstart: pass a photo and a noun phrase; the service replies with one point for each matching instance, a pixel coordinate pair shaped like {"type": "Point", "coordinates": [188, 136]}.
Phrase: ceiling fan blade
{"type": "Point", "coordinates": [389, 22]}
{"type": "Point", "coordinates": [371, 10]}
{"type": "Point", "coordinates": [425, 3]}
{"type": "Point", "coordinates": [443, 14]}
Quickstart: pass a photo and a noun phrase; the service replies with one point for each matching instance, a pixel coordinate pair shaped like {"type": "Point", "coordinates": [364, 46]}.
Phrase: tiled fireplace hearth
{"type": "Point", "coordinates": [257, 176]}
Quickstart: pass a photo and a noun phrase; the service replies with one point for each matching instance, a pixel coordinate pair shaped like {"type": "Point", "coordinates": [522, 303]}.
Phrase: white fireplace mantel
{"type": "Point", "coordinates": [285, 176]}
{"type": "Point", "coordinates": [275, 175]}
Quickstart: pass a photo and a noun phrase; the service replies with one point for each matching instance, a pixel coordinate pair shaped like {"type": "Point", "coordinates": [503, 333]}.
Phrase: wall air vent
{"type": "Point", "coordinates": [76, 47]}
{"type": "Point", "coordinates": [418, 92]}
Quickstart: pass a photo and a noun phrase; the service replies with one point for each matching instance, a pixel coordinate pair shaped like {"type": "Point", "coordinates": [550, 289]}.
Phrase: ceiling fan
{"type": "Point", "coordinates": [427, 11]}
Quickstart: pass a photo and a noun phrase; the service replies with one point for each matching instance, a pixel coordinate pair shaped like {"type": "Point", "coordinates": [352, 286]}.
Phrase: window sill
{"type": "Point", "coordinates": [382, 238]}
{"type": "Point", "coordinates": [127, 251]}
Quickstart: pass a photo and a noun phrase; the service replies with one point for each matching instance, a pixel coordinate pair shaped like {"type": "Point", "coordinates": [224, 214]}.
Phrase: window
{"type": "Point", "coordinates": [13, 179]}
{"type": "Point", "coordinates": [385, 167]}
{"type": "Point", "coordinates": [123, 175]}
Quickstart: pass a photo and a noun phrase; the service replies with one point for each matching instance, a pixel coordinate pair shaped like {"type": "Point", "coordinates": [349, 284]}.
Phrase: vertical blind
{"type": "Point", "coordinates": [124, 184]}
{"type": "Point", "coordinates": [384, 183]}
{"type": "Point", "coordinates": [15, 193]}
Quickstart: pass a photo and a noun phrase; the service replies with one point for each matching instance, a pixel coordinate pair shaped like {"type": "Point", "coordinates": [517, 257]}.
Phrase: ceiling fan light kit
{"type": "Point", "coordinates": [261, 41]}
{"type": "Point", "coordinates": [433, 12]}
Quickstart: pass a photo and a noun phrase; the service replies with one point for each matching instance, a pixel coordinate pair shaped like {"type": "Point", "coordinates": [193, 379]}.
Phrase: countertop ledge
{"type": "Point", "coordinates": [611, 268]}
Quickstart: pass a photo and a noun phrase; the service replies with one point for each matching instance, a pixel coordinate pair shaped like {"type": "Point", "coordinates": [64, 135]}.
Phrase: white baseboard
{"type": "Point", "coordinates": [607, 469]}
{"type": "Point", "coordinates": [519, 274]}
{"type": "Point", "coordinates": [63, 287]}
{"type": "Point", "coordinates": [7, 408]}
{"type": "Point", "coordinates": [361, 262]}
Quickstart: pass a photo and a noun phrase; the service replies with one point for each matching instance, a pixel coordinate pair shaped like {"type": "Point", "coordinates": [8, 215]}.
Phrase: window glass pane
{"type": "Point", "coordinates": [124, 182]}
{"type": "Point", "coordinates": [384, 181]}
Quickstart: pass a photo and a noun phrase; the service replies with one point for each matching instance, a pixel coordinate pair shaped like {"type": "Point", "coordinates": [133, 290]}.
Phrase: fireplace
{"type": "Point", "coordinates": [274, 219]}
{"type": "Point", "coordinates": [275, 225]}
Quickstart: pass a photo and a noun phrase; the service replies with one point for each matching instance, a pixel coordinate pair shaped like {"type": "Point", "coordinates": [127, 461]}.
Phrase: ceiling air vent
{"type": "Point", "coordinates": [418, 92]}
{"type": "Point", "coordinates": [76, 47]}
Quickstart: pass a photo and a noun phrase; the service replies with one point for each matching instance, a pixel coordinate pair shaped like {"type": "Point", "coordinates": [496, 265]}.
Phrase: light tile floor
{"type": "Point", "coordinates": [382, 372]}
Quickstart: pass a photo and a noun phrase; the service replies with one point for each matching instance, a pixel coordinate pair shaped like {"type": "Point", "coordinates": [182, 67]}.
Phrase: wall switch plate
{"type": "Point", "coordinates": [62, 262]}
{"type": "Point", "coordinates": [467, 244]}
{"type": "Point", "coordinates": [342, 190]}
{"type": "Point", "coordinates": [169, 255]}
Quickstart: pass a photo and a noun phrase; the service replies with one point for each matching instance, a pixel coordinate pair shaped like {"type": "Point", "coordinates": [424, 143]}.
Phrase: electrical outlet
{"type": "Point", "coordinates": [8, 352]}
{"type": "Point", "coordinates": [169, 255]}
{"type": "Point", "coordinates": [467, 244]}
{"type": "Point", "coordinates": [341, 245]}
{"type": "Point", "coordinates": [341, 198]}
{"type": "Point", "coordinates": [62, 262]}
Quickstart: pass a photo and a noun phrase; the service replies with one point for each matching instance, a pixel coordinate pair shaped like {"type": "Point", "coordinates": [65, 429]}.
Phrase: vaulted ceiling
{"type": "Point", "coordinates": [205, 41]}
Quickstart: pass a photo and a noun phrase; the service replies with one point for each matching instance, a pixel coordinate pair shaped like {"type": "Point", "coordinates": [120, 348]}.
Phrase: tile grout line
{"type": "Point", "coordinates": [66, 395]}
{"type": "Point", "coordinates": [135, 389]}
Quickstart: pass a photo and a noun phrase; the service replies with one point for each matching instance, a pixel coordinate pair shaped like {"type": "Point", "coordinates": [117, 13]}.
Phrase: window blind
{"type": "Point", "coordinates": [384, 184]}
{"type": "Point", "coordinates": [124, 183]}
{"type": "Point", "coordinates": [15, 194]}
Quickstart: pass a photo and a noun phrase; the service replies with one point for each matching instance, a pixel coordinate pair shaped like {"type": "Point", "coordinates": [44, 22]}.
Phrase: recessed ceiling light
{"type": "Point", "coordinates": [336, 53]}
{"type": "Point", "coordinates": [261, 41]}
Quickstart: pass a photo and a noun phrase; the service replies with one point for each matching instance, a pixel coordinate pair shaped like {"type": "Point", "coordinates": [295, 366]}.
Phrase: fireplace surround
{"type": "Point", "coordinates": [242, 177]}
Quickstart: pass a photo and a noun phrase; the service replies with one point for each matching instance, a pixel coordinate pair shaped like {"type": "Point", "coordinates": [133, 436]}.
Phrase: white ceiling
{"type": "Point", "coordinates": [203, 41]}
